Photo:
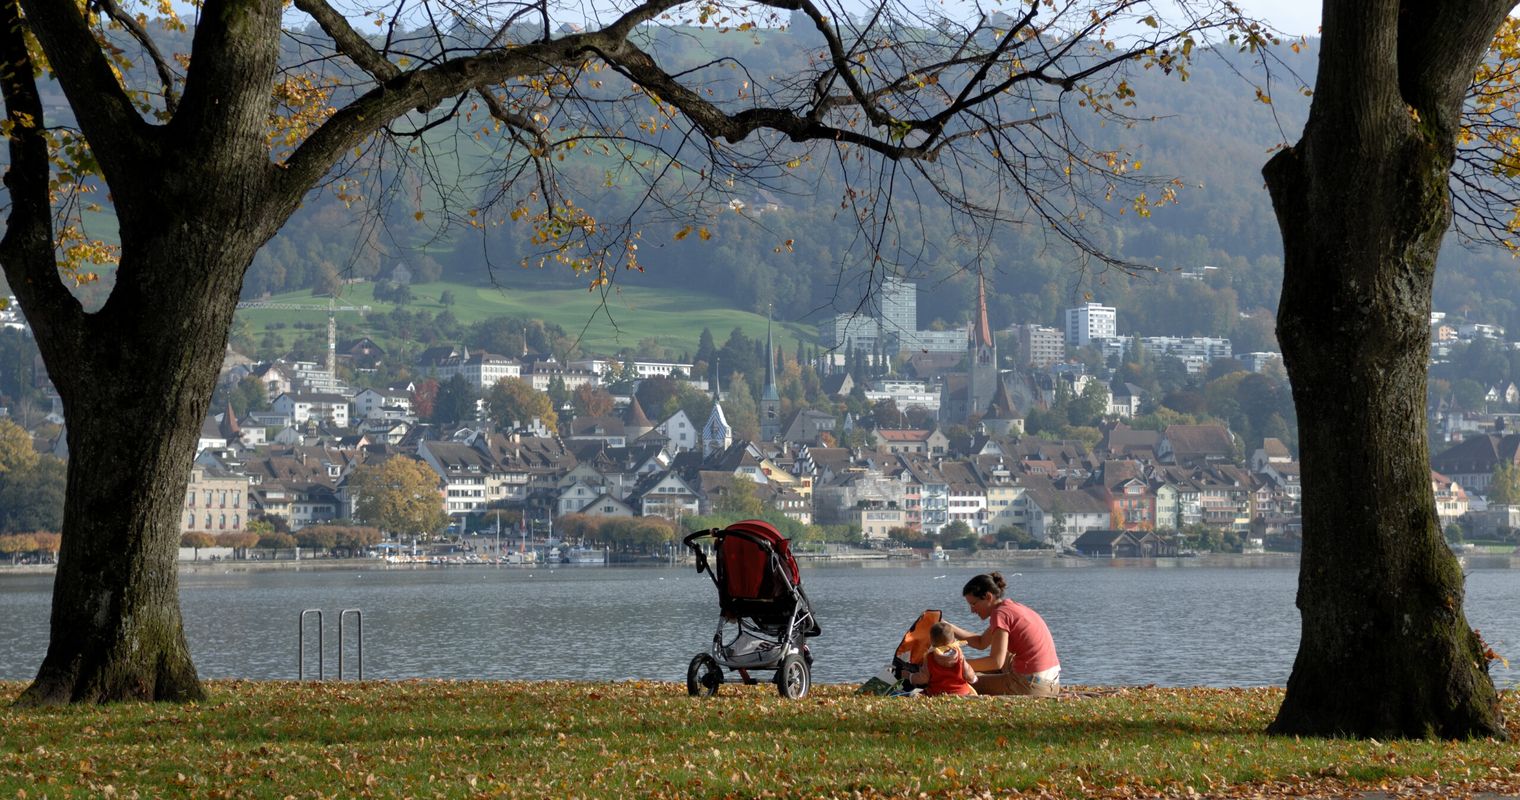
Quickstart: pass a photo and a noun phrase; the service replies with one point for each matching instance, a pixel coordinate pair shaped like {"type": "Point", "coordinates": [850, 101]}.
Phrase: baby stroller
{"type": "Point", "coordinates": [764, 617]}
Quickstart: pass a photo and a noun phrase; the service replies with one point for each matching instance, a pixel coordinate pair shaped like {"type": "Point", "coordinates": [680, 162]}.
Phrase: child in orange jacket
{"type": "Point", "coordinates": [944, 670]}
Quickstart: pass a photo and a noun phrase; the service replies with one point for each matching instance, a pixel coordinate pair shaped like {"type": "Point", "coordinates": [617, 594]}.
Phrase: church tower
{"type": "Point", "coordinates": [770, 399]}
{"type": "Point", "coordinates": [981, 357]}
{"type": "Point", "coordinates": [716, 434]}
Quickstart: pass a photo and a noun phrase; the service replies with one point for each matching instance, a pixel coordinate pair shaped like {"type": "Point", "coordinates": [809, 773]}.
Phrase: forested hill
{"type": "Point", "coordinates": [792, 245]}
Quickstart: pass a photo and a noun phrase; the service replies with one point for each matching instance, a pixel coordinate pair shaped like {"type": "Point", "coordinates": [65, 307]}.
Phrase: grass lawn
{"type": "Point", "coordinates": [642, 739]}
{"type": "Point", "coordinates": [674, 318]}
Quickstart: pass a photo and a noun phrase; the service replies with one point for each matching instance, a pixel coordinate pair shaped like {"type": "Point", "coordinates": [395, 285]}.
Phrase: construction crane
{"type": "Point", "coordinates": [332, 322]}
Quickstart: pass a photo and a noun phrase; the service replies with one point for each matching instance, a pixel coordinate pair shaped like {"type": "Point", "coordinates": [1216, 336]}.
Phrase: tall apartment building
{"type": "Point", "coordinates": [1089, 322]}
{"type": "Point", "coordinates": [899, 308]}
{"type": "Point", "coordinates": [1039, 346]}
{"type": "Point", "coordinates": [893, 323]}
{"type": "Point", "coordinates": [857, 329]}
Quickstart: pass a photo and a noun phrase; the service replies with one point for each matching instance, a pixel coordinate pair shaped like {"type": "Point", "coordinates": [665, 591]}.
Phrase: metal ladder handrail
{"type": "Point", "coordinates": [301, 645]}
{"type": "Point", "coordinates": [358, 639]}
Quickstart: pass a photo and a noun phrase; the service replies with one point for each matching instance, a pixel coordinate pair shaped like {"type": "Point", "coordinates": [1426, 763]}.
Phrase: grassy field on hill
{"type": "Point", "coordinates": [642, 739]}
{"type": "Point", "coordinates": [674, 318]}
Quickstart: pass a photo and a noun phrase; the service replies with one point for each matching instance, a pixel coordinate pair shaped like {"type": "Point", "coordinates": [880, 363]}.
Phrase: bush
{"type": "Point", "coordinates": [237, 540]}
{"type": "Point", "coordinates": [276, 541]}
{"type": "Point", "coordinates": [317, 537]}
{"type": "Point", "coordinates": [357, 537]}
{"type": "Point", "coordinates": [197, 540]}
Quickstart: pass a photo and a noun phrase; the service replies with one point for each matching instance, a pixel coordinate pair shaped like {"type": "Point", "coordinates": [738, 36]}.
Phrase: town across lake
{"type": "Point", "coordinates": [1164, 621]}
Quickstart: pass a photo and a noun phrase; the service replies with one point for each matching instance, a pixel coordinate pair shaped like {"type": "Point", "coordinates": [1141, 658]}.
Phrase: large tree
{"type": "Point", "coordinates": [514, 402]}
{"type": "Point", "coordinates": [399, 495]}
{"type": "Point", "coordinates": [1364, 200]}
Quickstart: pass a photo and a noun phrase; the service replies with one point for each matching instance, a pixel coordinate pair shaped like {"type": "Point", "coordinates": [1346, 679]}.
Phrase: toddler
{"type": "Point", "coordinates": [944, 670]}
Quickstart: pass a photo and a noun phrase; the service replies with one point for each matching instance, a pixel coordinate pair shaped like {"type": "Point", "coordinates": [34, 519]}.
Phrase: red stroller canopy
{"type": "Point", "coordinates": [745, 564]}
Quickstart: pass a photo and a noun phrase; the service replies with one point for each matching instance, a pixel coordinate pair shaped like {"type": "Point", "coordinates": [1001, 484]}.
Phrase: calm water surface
{"type": "Point", "coordinates": [1181, 626]}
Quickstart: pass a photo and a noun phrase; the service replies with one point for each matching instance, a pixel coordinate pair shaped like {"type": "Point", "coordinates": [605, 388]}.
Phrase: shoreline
{"type": "Point", "coordinates": [979, 561]}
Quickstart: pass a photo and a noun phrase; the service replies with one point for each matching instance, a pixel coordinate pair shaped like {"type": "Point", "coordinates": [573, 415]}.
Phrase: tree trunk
{"type": "Point", "coordinates": [1363, 204]}
{"type": "Point", "coordinates": [134, 400]}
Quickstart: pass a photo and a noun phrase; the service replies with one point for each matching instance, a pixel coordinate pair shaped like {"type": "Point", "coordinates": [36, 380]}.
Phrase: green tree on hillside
{"type": "Point", "coordinates": [706, 347]}
{"type": "Point", "coordinates": [739, 500]}
{"type": "Point", "coordinates": [32, 497]}
{"type": "Point", "coordinates": [740, 408]}
{"type": "Point", "coordinates": [1468, 394]}
{"type": "Point", "coordinates": [558, 392]}
{"type": "Point", "coordinates": [250, 394]}
{"type": "Point", "coordinates": [455, 402]}
{"type": "Point", "coordinates": [1088, 408]}
{"type": "Point", "coordinates": [1504, 488]}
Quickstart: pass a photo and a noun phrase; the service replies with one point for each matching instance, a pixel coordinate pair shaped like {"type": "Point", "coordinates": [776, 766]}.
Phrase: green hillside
{"type": "Point", "coordinates": [623, 318]}
{"type": "Point", "coordinates": [795, 243]}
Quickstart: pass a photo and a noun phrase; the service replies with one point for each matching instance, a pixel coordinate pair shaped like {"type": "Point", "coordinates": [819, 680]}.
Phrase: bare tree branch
{"type": "Point", "coordinates": [160, 64]}
{"type": "Point", "coordinates": [348, 41]}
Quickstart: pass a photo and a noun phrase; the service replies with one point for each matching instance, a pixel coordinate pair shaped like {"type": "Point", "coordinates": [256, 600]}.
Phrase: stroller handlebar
{"type": "Point", "coordinates": [696, 549]}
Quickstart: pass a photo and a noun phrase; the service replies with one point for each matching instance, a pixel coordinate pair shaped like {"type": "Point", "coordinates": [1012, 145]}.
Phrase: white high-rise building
{"type": "Point", "coordinates": [1089, 322]}
{"type": "Point", "coordinates": [899, 309]}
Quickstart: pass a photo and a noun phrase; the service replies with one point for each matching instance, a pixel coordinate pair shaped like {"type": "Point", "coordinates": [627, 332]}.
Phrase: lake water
{"type": "Point", "coordinates": [1112, 625]}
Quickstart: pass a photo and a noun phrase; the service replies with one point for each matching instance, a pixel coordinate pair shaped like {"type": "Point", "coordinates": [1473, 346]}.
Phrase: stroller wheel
{"type": "Point", "coordinates": [794, 677]}
{"type": "Point", "coordinates": [703, 676]}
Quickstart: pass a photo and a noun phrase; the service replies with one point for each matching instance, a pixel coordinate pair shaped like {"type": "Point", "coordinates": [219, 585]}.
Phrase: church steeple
{"type": "Point", "coordinates": [981, 357]}
{"type": "Point", "coordinates": [770, 399]}
{"type": "Point", "coordinates": [717, 434]}
{"type": "Point", "coordinates": [981, 328]}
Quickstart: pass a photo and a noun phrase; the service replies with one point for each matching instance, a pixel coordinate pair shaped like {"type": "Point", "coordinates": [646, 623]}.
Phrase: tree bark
{"type": "Point", "coordinates": [195, 201]}
{"type": "Point", "coordinates": [1363, 203]}
{"type": "Point", "coordinates": [134, 401]}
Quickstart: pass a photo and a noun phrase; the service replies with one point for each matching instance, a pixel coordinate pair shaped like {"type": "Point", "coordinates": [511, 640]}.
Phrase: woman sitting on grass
{"type": "Point", "coordinates": [1021, 655]}
{"type": "Point", "coordinates": [944, 670]}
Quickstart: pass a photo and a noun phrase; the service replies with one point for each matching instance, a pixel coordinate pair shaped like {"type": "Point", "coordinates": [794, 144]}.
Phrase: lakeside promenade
{"type": "Point", "coordinates": [990, 559]}
{"type": "Point", "coordinates": [867, 559]}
